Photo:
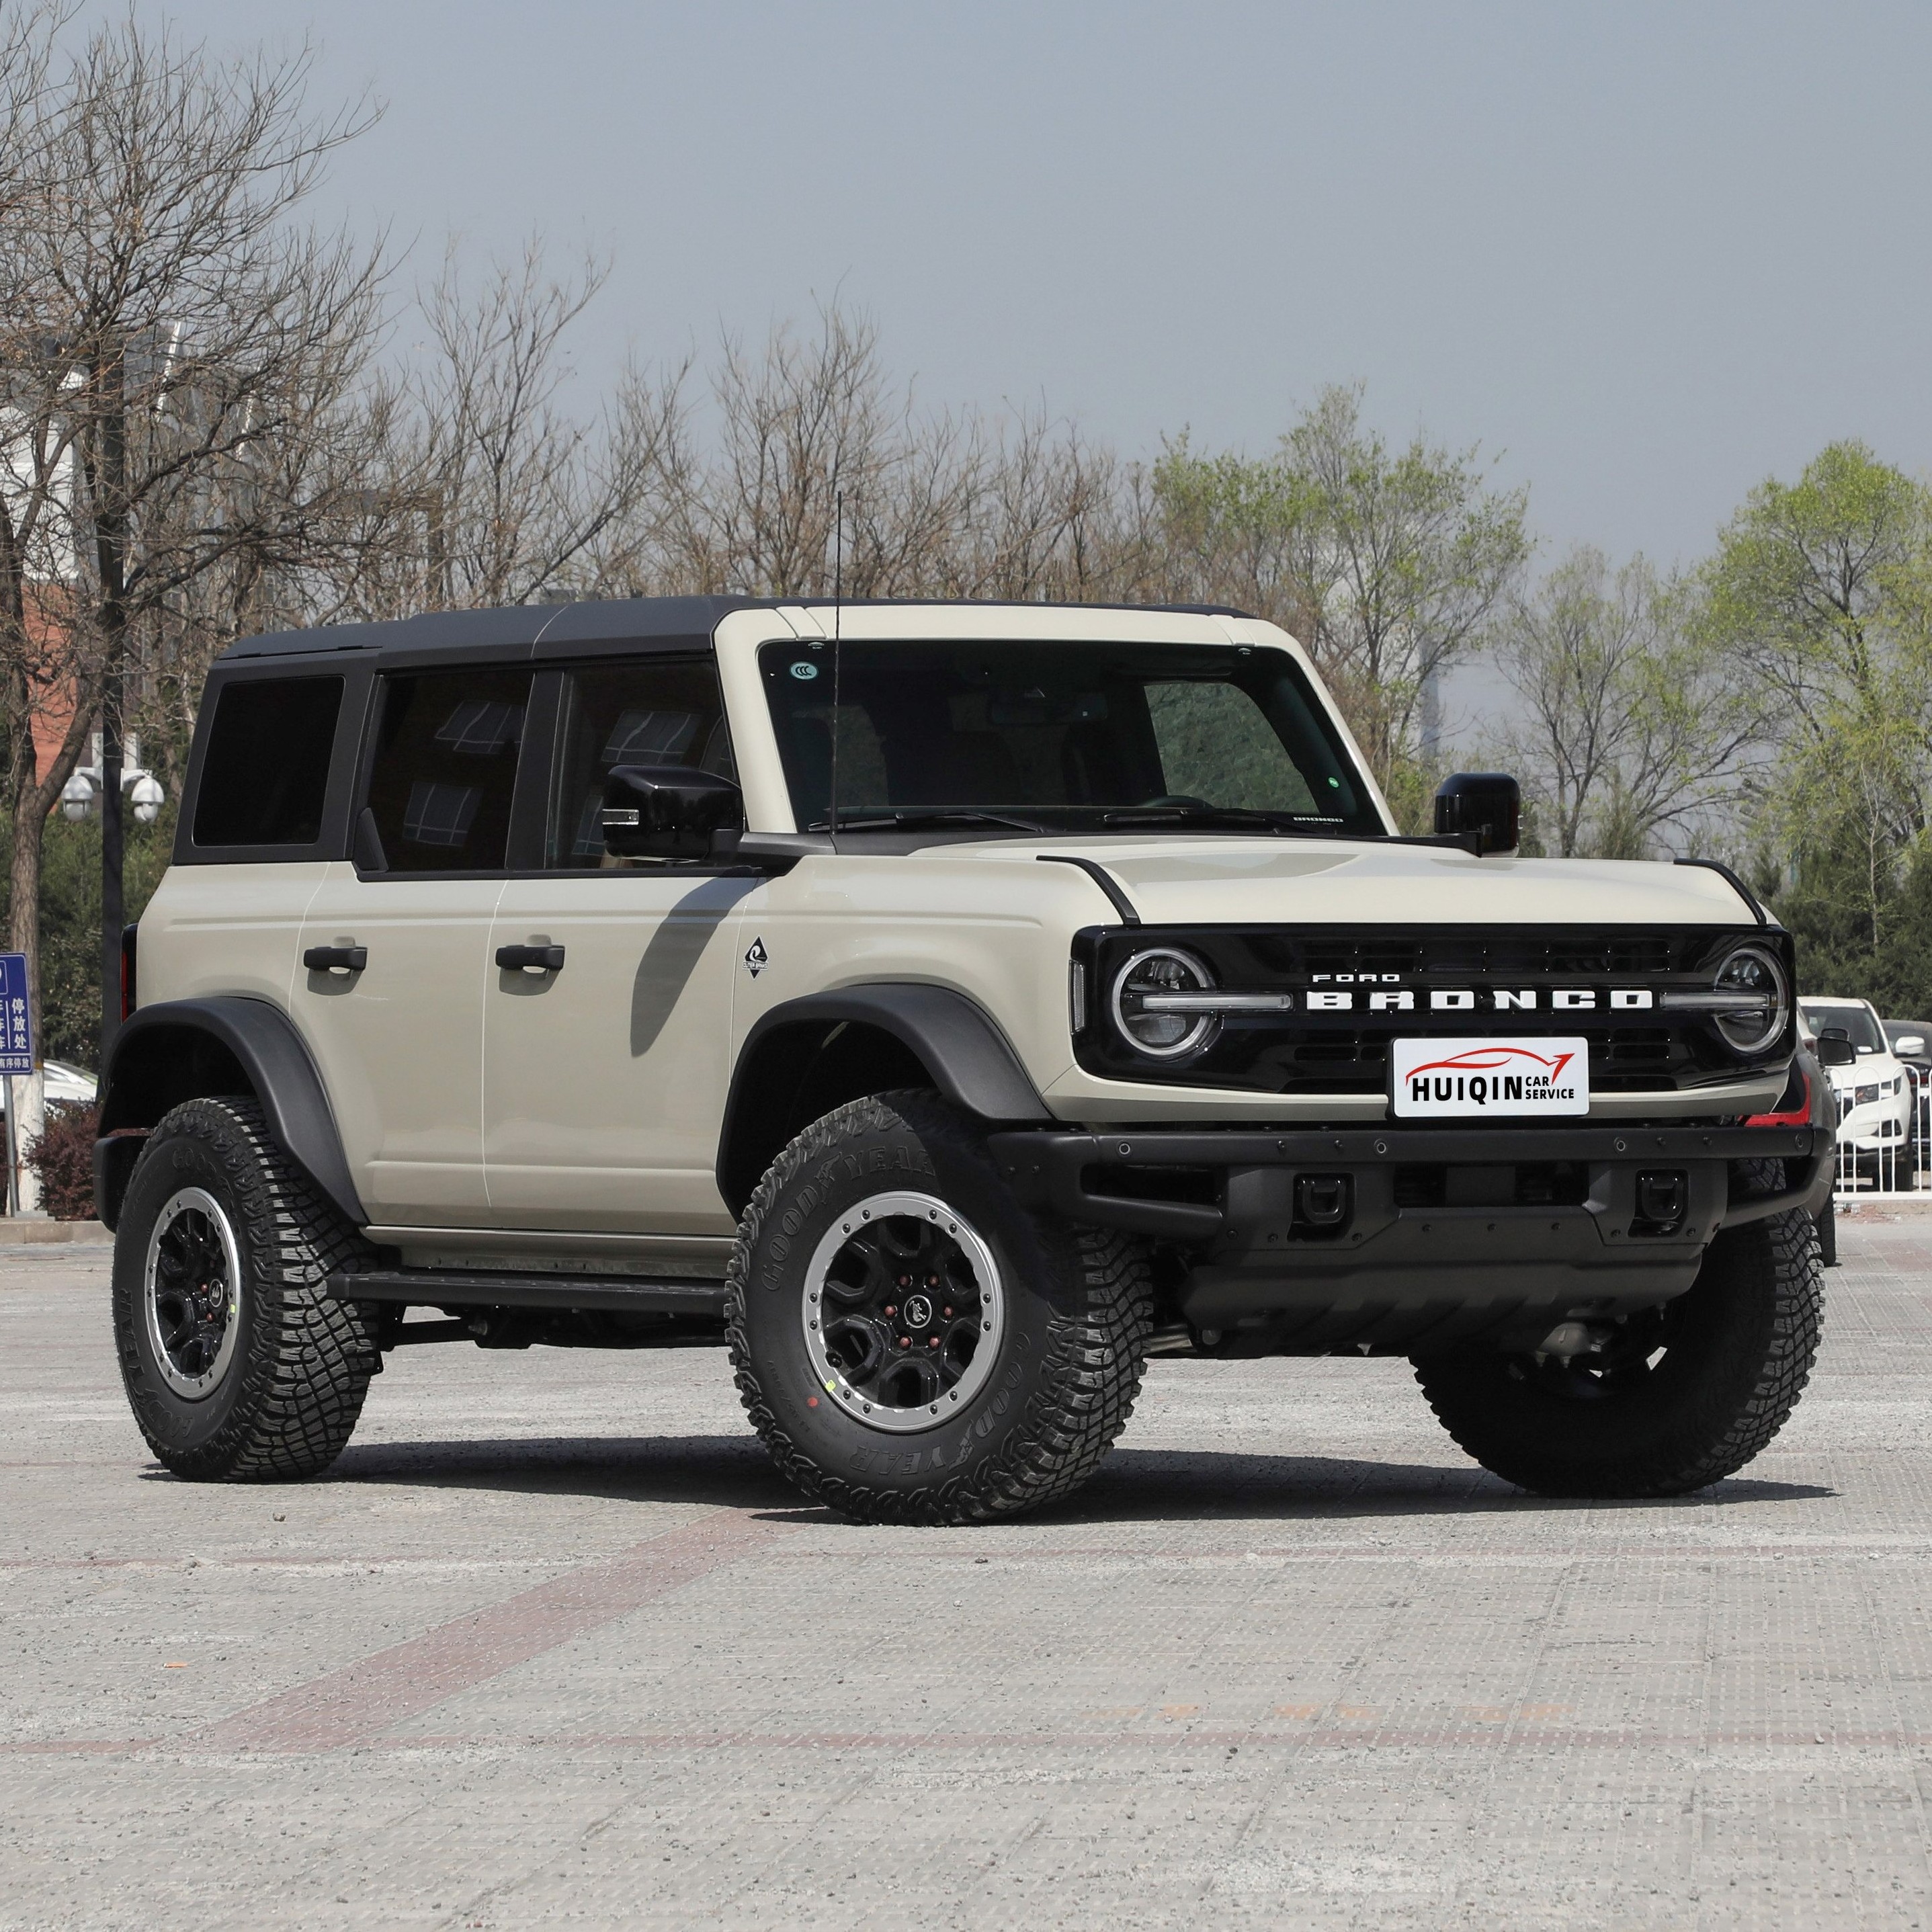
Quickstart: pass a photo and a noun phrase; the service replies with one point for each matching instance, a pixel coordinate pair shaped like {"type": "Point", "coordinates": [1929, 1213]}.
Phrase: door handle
{"type": "Point", "coordinates": [545, 959]}
{"type": "Point", "coordinates": [336, 959]}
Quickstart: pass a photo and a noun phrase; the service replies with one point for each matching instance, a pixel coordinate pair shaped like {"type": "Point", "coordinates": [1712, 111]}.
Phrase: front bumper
{"type": "Point", "coordinates": [1448, 1231]}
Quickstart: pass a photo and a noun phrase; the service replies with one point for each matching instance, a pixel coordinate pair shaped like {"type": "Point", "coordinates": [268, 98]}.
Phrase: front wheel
{"type": "Point", "coordinates": [1678, 1398]}
{"type": "Point", "coordinates": [911, 1342]}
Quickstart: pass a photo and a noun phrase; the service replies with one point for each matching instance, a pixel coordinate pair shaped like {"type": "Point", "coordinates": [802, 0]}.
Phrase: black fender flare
{"type": "Point", "coordinates": [970, 1060]}
{"type": "Point", "coordinates": [181, 1049]}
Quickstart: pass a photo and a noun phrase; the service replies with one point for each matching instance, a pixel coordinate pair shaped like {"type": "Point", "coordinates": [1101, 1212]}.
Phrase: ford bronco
{"type": "Point", "coordinates": [942, 1007]}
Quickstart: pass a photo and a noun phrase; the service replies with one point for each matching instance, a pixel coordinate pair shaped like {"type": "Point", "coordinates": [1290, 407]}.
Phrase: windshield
{"type": "Point", "coordinates": [1857, 1020]}
{"type": "Point", "coordinates": [1061, 736]}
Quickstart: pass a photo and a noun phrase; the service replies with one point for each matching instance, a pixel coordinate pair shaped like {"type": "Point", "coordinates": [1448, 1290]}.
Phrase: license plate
{"type": "Point", "coordinates": [1437, 1079]}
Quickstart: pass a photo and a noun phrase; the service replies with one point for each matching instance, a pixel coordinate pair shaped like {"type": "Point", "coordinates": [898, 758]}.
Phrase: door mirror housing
{"type": "Point", "coordinates": [1909, 1046]}
{"type": "Point", "coordinates": [667, 811]}
{"type": "Point", "coordinates": [1488, 804]}
{"type": "Point", "coordinates": [1835, 1047]}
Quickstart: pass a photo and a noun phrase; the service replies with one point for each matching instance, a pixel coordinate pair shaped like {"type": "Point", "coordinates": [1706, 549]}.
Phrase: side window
{"type": "Point", "coordinates": [661, 712]}
{"type": "Point", "coordinates": [266, 770]}
{"type": "Point", "coordinates": [445, 767]}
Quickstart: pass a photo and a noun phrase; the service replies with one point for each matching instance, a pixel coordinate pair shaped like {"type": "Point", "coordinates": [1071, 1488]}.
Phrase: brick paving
{"type": "Point", "coordinates": [553, 1645]}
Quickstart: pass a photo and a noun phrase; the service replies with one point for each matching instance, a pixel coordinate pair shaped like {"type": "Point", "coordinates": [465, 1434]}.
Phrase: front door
{"type": "Point", "coordinates": [393, 1007]}
{"type": "Point", "coordinates": [604, 1078]}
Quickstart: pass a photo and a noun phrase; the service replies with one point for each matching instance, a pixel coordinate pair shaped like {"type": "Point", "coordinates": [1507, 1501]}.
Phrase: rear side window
{"type": "Point", "coordinates": [446, 767]}
{"type": "Point", "coordinates": [266, 771]}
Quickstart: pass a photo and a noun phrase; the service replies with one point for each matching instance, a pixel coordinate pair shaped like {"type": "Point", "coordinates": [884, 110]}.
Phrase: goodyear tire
{"type": "Point", "coordinates": [912, 1343]}
{"type": "Point", "coordinates": [1687, 1395]}
{"type": "Point", "coordinates": [238, 1365]}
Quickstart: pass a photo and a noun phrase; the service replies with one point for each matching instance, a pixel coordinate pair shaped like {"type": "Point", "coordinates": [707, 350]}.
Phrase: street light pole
{"type": "Point", "coordinates": [113, 903]}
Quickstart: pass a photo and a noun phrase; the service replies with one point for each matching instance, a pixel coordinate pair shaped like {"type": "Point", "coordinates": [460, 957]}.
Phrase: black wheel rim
{"type": "Point", "coordinates": [192, 1293]}
{"type": "Point", "coordinates": [903, 1310]}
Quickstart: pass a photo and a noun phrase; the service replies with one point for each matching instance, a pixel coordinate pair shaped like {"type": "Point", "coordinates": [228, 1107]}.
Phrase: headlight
{"type": "Point", "coordinates": [1154, 1003]}
{"type": "Point", "coordinates": [1751, 1027]}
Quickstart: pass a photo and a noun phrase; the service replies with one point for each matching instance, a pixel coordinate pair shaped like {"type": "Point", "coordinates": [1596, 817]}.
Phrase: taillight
{"type": "Point", "coordinates": [129, 934]}
{"type": "Point", "coordinates": [1799, 1116]}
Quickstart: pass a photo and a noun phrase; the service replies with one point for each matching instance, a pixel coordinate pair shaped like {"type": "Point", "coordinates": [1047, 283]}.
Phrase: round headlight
{"type": "Point", "coordinates": [1752, 969]}
{"type": "Point", "coordinates": [1143, 988]}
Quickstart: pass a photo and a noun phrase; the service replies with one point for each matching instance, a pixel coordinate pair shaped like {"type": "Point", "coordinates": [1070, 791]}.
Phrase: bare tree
{"type": "Point", "coordinates": [520, 500]}
{"type": "Point", "coordinates": [174, 328]}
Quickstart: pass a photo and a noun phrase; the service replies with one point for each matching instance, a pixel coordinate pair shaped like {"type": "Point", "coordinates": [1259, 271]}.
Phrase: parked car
{"type": "Point", "coordinates": [64, 1082]}
{"type": "Point", "coordinates": [1877, 1101]}
{"type": "Point", "coordinates": [1911, 1041]}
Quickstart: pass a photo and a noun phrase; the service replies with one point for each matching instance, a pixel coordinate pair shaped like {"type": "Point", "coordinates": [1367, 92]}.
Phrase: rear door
{"type": "Point", "coordinates": [228, 917]}
{"type": "Point", "coordinates": [604, 1081]}
{"type": "Point", "coordinates": [396, 1024]}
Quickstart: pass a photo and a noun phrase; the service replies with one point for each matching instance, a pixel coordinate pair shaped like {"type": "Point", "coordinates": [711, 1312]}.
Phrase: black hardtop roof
{"type": "Point", "coordinates": [555, 629]}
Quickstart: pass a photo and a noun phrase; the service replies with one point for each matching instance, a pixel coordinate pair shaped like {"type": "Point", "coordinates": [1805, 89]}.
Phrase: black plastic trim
{"type": "Point", "coordinates": [1116, 893]}
{"type": "Point", "coordinates": [484, 1289]}
{"type": "Point", "coordinates": [967, 1057]}
{"type": "Point", "coordinates": [1049, 1168]}
{"type": "Point", "coordinates": [136, 1090]}
{"type": "Point", "coordinates": [1737, 885]}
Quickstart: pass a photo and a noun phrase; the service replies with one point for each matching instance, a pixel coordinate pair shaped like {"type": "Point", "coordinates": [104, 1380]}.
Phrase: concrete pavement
{"type": "Point", "coordinates": [553, 1645]}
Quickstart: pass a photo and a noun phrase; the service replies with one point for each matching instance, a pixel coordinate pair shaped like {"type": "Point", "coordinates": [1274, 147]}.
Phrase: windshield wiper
{"type": "Point", "coordinates": [1231, 817]}
{"type": "Point", "coordinates": [915, 821]}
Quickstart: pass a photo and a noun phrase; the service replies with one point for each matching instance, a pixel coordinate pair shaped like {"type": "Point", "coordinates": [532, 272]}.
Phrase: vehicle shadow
{"type": "Point", "coordinates": [1133, 1486]}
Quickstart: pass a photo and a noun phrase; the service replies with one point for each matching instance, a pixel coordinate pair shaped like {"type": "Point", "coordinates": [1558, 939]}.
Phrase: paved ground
{"type": "Point", "coordinates": [554, 1645]}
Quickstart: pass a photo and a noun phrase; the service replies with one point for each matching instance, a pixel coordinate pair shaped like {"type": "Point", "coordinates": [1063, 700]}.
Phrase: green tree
{"type": "Point", "coordinates": [1388, 563]}
{"type": "Point", "coordinates": [1820, 595]}
{"type": "Point", "coordinates": [1634, 734]}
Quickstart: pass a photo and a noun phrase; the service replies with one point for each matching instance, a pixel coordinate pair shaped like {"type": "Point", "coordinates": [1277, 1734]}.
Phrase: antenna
{"type": "Point", "coordinates": [838, 595]}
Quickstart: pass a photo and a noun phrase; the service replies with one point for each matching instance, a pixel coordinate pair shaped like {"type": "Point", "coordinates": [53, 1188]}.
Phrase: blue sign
{"type": "Point", "coordinates": [16, 1024]}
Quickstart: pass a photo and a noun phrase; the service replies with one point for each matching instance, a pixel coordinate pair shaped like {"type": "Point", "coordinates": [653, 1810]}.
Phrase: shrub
{"type": "Point", "coordinates": [62, 1158]}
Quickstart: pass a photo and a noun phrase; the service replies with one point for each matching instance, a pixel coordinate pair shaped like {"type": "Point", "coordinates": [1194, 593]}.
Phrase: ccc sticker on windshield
{"type": "Point", "coordinates": [1528, 1079]}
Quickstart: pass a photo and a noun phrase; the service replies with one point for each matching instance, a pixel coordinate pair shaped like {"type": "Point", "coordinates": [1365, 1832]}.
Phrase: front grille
{"type": "Point", "coordinates": [1307, 1052]}
{"type": "Point", "coordinates": [1458, 956]}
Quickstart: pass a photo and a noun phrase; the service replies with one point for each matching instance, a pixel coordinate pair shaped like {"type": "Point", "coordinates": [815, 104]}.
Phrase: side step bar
{"type": "Point", "coordinates": [448, 1288]}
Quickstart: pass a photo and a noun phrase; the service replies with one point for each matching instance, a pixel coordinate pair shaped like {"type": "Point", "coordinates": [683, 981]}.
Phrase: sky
{"type": "Point", "coordinates": [1644, 256]}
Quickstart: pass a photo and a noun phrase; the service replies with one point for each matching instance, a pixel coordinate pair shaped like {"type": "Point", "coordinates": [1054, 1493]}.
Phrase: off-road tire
{"type": "Point", "coordinates": [1069, 1356]}
{"type": "Point", "coordinates": [1828, 1235]}
{"type": "Point", "coordinates": [1738, 1350]}
{"type": "Point", "coordinates": [292, 1392]}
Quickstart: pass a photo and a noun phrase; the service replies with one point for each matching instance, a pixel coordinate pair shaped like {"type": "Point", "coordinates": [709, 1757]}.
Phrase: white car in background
{"type": "Point", "coordinates": [1874, 1093]}
{"type": "Point", "coordinates": [64, 1082]}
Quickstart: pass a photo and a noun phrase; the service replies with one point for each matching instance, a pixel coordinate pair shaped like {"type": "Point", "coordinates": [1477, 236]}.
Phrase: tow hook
{"type": "Point", "coordinates": [1569, 1340]}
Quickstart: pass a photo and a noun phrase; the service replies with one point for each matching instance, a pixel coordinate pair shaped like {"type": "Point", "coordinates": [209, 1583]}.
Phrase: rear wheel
{"type": "Point", "coordinates": [1675, 1398]}
{"type": "Point", "coordinates": [237, 1362]}
{"type": "Point", "coordinates": [912, 1344]}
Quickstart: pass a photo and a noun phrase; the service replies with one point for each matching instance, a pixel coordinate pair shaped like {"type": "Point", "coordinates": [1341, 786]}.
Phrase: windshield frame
{"type": "Point", "coordinates": [1306, 741]}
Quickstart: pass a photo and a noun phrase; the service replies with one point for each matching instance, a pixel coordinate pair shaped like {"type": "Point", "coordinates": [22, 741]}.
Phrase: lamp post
{"type": "Point", "coordinates": [80, 797]}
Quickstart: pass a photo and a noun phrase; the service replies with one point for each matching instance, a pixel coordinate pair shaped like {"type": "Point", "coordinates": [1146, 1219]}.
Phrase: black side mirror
{"type": "Point", "coordinates": [1489, 804]}
{"type": "Point", "coordinates": [667, 811]}
{"type": "Point", "coordinates": [1835, 1047]}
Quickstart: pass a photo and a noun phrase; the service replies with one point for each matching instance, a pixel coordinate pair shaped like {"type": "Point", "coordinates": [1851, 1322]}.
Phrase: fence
{"type": "Point", "coordinates": [1898, 1160]}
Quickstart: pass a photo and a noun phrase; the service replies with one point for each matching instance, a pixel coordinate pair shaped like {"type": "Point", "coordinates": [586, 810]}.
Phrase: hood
{"type": "Point", "coordinates": [1221, 881]}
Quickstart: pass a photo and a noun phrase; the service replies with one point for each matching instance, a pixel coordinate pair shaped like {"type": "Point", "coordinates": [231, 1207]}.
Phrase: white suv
{"type": "Point", "coordinates": [1874, 1093]}
{"type": "Point", "coordinates": [940, 1006]}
